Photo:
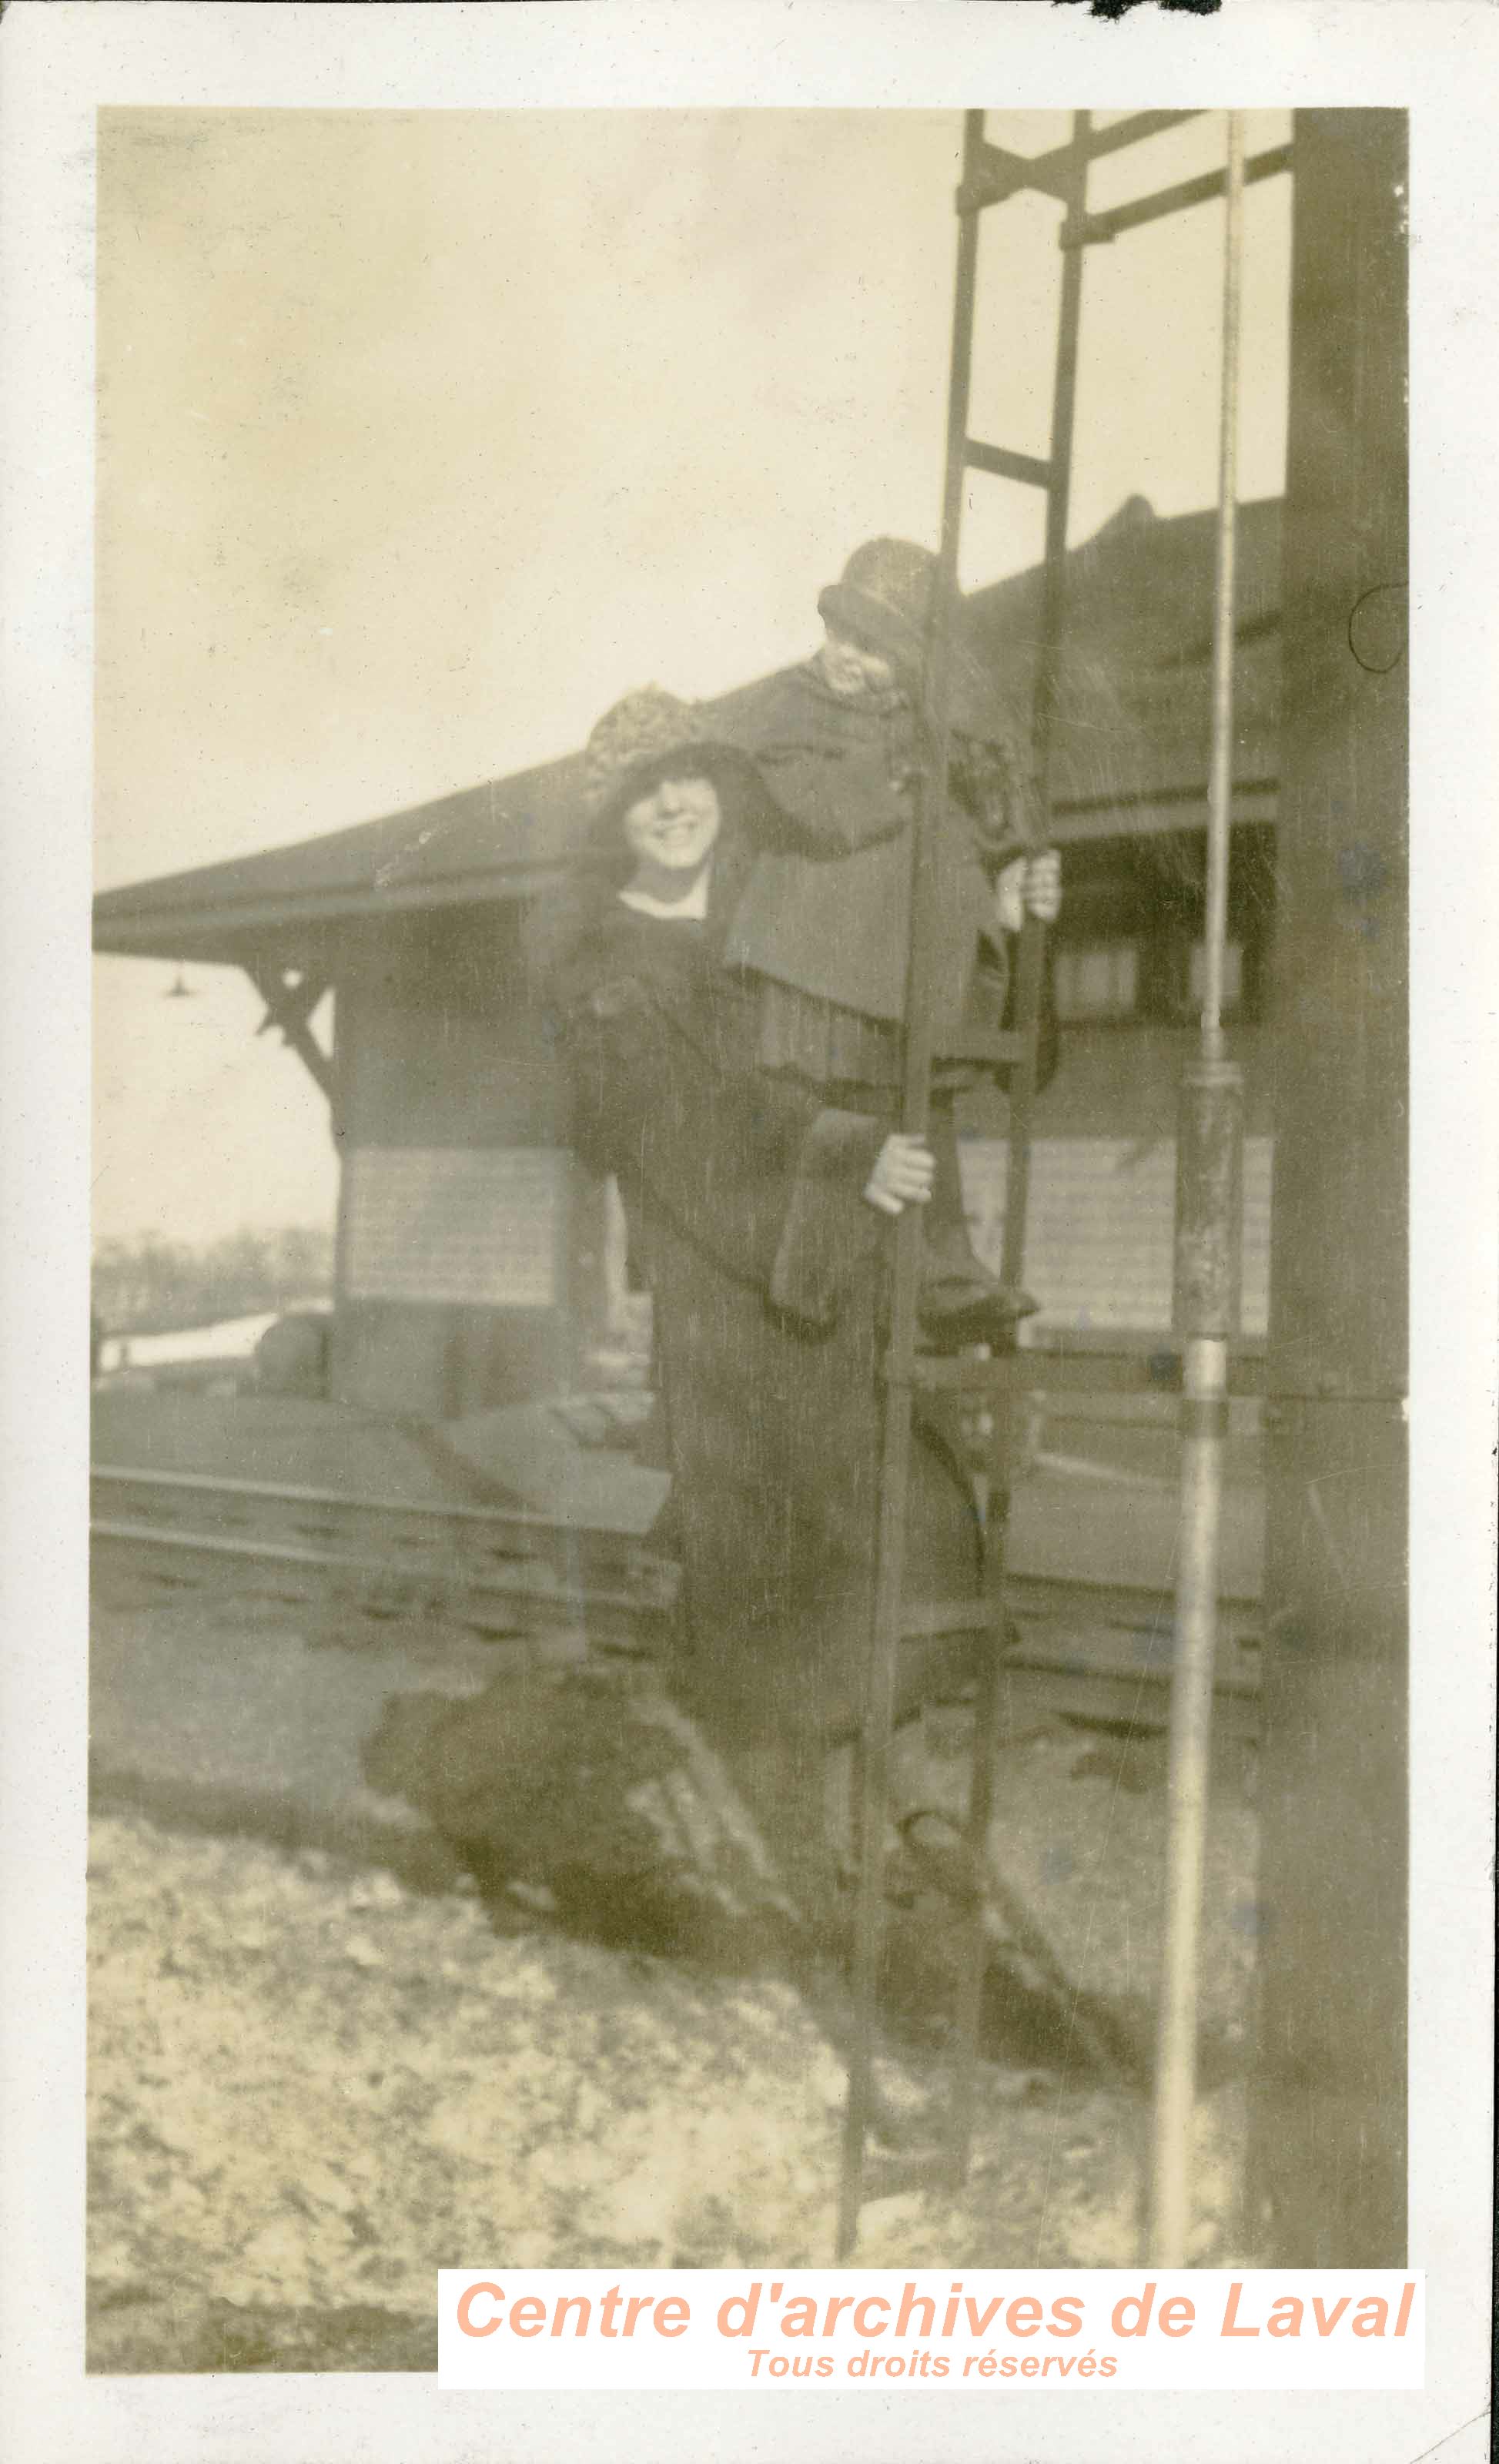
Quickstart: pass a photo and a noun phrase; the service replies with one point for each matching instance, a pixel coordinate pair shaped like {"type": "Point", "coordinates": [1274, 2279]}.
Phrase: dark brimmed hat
{"type": "Point", "coordinates": [642, 739]}
{"type": "Point", "coordinates": [884, 598]}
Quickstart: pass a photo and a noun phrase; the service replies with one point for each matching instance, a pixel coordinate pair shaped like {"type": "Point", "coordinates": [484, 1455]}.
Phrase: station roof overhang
{"type": "Point", "coordinates": [1130, 757]}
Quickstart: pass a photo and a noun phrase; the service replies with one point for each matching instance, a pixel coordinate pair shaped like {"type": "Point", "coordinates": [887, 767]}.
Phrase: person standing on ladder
{"type": "Point", "coordinates": [825, 925]}
{"type": "Point", "coordinates": [755, 1209]}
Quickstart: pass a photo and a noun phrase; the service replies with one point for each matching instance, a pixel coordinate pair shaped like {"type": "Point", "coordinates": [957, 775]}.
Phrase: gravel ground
{"type": "Point", "coordinates": [309, 2087]}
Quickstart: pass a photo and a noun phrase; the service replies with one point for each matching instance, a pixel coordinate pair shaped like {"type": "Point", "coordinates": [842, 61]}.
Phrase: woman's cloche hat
{"type": "Point", "coordinates": [642, 739]}
{"type": "Point", "coordinates": [884, 598]}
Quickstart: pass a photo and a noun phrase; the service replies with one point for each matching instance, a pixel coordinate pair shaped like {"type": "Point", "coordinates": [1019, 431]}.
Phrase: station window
{"type": "Point", "coordinates": [1097, 980]}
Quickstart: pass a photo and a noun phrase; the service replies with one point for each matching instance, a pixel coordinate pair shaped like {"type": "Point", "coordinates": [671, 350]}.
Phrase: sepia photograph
{"type": "Point", "coordinates": [748, 1336]}
{"type": "Point", "coordinates": [747, 940]}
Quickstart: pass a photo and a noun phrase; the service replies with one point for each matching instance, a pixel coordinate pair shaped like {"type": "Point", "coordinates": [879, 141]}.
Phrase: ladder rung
{"type": "Point", "coordinates": [1079, 1367]}
{"type": "Point", "coordinates": [1133, 130]}
{"type": "Point", "coordinates": [962, 1372]}
{"type": "Point", "coordinates": [1106, 1373]}
{"type": "Point", "coordinates": [1188, 192]}
{"type": "Point", "coordinates": [999, 173]}
{"type": "Point", "coordinates": [1088, 1372]}
{"type": "Point", "coordinates": [1001, 464]}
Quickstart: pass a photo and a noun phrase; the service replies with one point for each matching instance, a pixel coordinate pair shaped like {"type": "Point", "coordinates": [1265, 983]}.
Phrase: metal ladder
{"type": "Point", "coordinates": [991, 174]}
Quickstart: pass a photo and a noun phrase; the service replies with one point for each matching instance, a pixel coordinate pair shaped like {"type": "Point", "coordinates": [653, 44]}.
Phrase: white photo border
{"type": "Point", "coordinates": [59, 64]}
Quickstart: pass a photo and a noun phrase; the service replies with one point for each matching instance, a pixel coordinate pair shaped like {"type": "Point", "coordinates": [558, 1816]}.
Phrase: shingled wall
{"type": "Point", "coordinates": [1098, 1252]}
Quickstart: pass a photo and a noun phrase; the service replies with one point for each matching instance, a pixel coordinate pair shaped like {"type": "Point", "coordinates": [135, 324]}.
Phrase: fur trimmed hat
{"type": "Point", "coordinates": [637, 744]}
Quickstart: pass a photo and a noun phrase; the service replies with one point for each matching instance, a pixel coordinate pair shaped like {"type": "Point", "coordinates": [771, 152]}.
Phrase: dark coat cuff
{"type": "Point", "coordinates": [830, 1227]}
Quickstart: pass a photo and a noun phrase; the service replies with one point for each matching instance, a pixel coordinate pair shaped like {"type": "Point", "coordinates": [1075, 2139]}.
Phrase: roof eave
{"type": "Point", "coordinates": [220, 933]}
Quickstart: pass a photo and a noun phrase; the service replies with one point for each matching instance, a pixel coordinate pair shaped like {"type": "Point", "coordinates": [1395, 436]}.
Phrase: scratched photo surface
{"type": "Point", "coordinates": [719, 1134]}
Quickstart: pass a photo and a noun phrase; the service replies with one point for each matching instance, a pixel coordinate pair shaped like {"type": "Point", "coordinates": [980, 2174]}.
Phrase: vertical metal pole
{"type": "Point", "coordinates": [1327, 2160]}
{"type": "Point", "coordinates": [968, 2015]}
{"type": "Point", "coordinates": [1208, 1235]}
{"type": "Point", "coordinates": [873, 1778]}
{"type": "Point", "coordinates": [1031, 955]}
{"type": "Point", "coordinates": [1220, 777]}
{"type": "Point", "coordinates": [341, 1119]}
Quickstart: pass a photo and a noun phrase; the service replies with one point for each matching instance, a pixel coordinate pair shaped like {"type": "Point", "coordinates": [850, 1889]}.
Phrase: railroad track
{"type": "Point", "coordinates": [1097, 1652]}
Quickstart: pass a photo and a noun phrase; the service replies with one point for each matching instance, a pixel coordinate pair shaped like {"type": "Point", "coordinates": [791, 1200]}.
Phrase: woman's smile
{"type": "Point", "coordinates": [675, 824]}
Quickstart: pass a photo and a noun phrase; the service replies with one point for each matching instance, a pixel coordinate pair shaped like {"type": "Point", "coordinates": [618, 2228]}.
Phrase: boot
{"type": "Point", "coordinates": [959, 1302]}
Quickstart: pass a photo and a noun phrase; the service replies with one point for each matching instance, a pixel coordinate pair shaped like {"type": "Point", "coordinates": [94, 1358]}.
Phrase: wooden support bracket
{"type": "Point", "coordinates": [290, 999]}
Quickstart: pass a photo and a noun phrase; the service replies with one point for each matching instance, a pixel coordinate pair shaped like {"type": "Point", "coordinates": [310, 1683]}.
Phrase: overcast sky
{"type": "Point", "coordinates": [424, 436]}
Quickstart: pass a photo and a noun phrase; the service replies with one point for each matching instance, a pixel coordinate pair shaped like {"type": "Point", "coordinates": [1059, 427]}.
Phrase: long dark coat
{"type": "Point", "coordinates": [660, 1042]}
{"type": "Point", "coordinates": [767, 1272]}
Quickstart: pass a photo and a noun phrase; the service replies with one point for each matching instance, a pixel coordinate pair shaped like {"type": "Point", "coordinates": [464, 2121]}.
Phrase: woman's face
{"type": "Point", "coordinates": [675, 825]}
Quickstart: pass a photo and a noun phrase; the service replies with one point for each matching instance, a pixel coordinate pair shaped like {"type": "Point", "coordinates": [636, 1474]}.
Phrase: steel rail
{"type": "Point", "coordinates": [1098, 1651]}
{"type": "Point", "coordinates": [516, 1584]}
{"type": "Point", "coordinates": [533, 1566]}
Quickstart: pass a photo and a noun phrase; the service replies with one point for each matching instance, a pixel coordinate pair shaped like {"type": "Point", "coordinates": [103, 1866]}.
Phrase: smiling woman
{"type": "Point", "coordinates": [660, 1035]}
{"type": "Point", "coordinates": [754, 1211]}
